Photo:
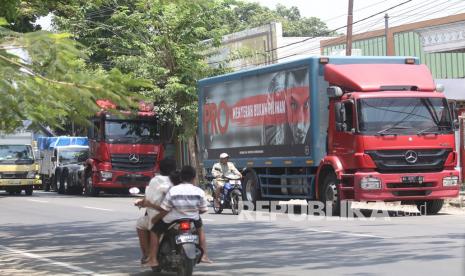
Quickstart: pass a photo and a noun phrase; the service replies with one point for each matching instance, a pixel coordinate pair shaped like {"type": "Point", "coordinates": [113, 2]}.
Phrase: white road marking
{"type": "Point", "coordinates": [38, 200]}
{"type": "Point", "coordinates": [50, 261]}
{"type": "Point", "coordinates": [348, 234]}
{"type": "Point", "coordinates": [208, 220]}
{"type": "Point", "coordinates": [95, 208]}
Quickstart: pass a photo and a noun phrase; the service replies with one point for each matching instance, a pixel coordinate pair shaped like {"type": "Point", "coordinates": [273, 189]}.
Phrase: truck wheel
{"type": "Point", "coordinates": [430, 207]}
{"type": "Point", "coordinates": [251, 191]}
{"type": "Point", "coordinates": [54, 181]}
{"type": "Point", "coordinates": [330, 195]}
{"type": "Point", "coordinates": [89, 189]}
{"type": "Point", "coordinates": [28, 190]}
{"type": "Point", "coordinates": [45, 183]}
{"type": "Point", "coordinates": [63, 186]}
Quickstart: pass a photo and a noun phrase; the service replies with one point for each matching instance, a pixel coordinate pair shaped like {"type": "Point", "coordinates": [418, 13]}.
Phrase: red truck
{"type": "Point", "coordinates": [124, 152]}
{"type": "Point", "coordinates": [333, 129]}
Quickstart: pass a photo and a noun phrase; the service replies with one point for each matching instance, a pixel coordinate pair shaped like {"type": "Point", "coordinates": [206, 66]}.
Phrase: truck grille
{"type": "Point", "coordinates": [122, 162]}
{"type": "Point", "coordinates": [395, 160]}
{"type": "Point", "coordinates": [14, 175]}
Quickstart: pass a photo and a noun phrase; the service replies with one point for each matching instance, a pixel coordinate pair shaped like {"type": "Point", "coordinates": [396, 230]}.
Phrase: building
{"type": "Point", "coordinates": [261, 46]}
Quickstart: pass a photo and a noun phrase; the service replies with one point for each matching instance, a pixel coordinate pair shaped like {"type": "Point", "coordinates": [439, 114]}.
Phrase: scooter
{"type": "Point", "coordinates": [231, 195]}
{"type": "Point", "coordinates": [179, 249]}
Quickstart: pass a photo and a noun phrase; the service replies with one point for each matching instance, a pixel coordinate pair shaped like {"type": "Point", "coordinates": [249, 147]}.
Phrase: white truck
{"type": "Point", "coordinates": [59, 155]}
{"type": "Point", "coordinates": [18, 169]}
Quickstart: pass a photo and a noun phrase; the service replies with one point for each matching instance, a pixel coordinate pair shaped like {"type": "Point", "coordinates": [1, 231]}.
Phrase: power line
{"type": "Point", "coordinates": [321, 34]}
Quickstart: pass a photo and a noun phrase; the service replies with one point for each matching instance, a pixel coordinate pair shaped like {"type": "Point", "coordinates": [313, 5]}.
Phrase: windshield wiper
{"type": "Point", "coordinates": [382, 132]}
{"type": "Point", "coordinates": [429, 130]}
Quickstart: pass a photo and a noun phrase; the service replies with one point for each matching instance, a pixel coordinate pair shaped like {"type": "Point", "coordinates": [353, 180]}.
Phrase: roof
{"type": "Point", "coordinates": [364, 78]}
{"type": "Point", "coordinates": [53, 142]}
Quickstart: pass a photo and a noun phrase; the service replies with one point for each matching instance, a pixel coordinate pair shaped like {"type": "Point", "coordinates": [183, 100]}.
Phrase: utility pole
{"type": "Point", "coordinates": [349, 28]}
{"type": "Point", "coordinates": [386, 28]}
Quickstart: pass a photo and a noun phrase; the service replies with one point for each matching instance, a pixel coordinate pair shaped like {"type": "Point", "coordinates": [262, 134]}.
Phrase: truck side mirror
{"type": "Point", "coordinates": [340, 116]}
{"type": "Point", "coordinates": [334, 92]}
{"type": "Point", "coordinates": [53, 158]}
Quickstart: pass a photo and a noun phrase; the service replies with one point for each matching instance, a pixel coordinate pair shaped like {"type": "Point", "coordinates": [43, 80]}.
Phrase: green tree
{"type": "Point", "coordinates": [244, 15]}
{"type": "Point", "coordinates": [156, 40]}
{"type": "Point", "coordinates": [45, 79]}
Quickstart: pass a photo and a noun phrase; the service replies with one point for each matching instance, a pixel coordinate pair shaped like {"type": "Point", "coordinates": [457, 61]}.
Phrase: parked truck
{"type": "Point", "coordinates": [60, 156]}
{"type": "Point", "coordinates": [18, 169]}
{"type": "Point", "coordinates": [333, 129]}
{"type": "Point", "coordinates": [124, 151]}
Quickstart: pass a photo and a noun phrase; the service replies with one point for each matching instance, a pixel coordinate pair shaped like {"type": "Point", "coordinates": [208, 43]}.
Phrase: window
{"type": "Point", "coordinates": [349, 120]}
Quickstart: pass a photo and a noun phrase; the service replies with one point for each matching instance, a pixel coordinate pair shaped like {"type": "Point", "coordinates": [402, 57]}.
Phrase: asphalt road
{"type": "Point", "coordinates": [50, 234]}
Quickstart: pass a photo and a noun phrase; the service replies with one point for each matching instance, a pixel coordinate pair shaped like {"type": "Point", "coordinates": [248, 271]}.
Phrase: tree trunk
{"type": "Point", "coordinates": [194, 157]}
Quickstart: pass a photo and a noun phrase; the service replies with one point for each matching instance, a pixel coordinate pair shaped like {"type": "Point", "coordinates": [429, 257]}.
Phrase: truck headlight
{"type": "Point", "coordinates": [370, 183]}
{"type": "Point", "coordinates": [450, 181]}
{"type": "Point", "coordinates": [105, 176]}
{"type": "Point", "coordinates": [31, 174]}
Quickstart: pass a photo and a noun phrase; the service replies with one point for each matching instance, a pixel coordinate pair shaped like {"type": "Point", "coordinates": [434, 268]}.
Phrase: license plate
{"type": "Point", "coordinates": [235, 181]}
{"type": "Point", "coordinates": [187, 238]}
{"type": "Point", "coordinates": [135, 175]}
{"type": "Point", "coordinates": [412, 179]}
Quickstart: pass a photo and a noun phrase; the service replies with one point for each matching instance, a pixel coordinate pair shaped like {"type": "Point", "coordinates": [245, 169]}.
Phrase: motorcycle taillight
{"type": "Point", "coordinates": [185, 225]}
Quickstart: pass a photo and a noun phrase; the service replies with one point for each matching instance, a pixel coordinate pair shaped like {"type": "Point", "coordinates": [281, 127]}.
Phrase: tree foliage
{"type": "Point", "coordinates": [45, 79]}
{"type": "Point", "coordinates": [244, 15]}
{"type": "Point", "coordinates": [155, 40]}
{"type": "Point", "coordinates": [161, 41]}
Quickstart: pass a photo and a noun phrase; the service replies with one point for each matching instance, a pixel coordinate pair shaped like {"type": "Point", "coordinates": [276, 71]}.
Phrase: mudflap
{"type": "Point", "coordinates": [190, 250]}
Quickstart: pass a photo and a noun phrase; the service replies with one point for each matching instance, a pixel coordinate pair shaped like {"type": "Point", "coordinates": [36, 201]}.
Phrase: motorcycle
{"type": "Point", "coordinates": [231, 195]}
{"type": "Point", "coordinates": [179, 249]}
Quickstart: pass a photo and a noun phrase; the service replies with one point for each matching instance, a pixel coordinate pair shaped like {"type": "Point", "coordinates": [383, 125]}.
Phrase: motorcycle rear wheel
{"type": "Point", "coordinates": [186, 268]}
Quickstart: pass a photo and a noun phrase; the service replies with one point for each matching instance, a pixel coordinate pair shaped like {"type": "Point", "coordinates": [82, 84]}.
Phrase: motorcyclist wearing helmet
{"type": "Point", "coordinates": [219, 171]}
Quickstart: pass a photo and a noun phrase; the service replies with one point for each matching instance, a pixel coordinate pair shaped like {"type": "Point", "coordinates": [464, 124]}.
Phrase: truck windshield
{"type": "Point", "coordinates": [131, 131]}
{"type": "Point", "coordinates": [383, 116]}
{"type": "Point", "coordinates": [16, 154]}
{"type": "Point", "coordinates": [72, 156]}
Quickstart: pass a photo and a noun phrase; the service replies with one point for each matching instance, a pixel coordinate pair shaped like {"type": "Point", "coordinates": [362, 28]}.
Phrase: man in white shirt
{"type": "Point", "coordinates": [219, 171]}
{"type": "Point", "coordinates": [154, 194]}
{"type": "Point", "coordinates": [183, 201]}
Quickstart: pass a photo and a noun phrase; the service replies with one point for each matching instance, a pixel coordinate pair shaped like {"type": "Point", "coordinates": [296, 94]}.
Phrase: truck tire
{"type": "Point", "coordinates": [432, 206]}
{"type": "Point", "coordinates": [55, 180]}
{"type": "Point", "coordinates": [45, 183]}
{"type": "Point", "coordinates": [329, 193]}
{"type": "Point", "coordinates": [89, 189]}
{"type": "Point", "coordinates": [28, 190]}
{"type": "Point", "coordinates": [63, 184]}
{"type": "Point", "coordinates": [250, 187]}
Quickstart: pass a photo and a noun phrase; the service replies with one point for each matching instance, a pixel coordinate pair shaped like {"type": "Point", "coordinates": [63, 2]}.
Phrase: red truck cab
{"type": "Point", "coordinates": [388, 143]}
{"type": "Point", "coordinates": [124, 152]}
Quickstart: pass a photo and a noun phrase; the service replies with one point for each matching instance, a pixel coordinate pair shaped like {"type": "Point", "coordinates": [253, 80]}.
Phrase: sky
{"type": "Point", "coordinates": [334, 12]}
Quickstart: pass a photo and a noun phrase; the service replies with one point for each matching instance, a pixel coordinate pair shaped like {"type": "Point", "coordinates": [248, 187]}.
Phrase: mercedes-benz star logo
{"type": "Point", "coordinates": [411, 156]}
{"type": "Point", "coordinates": [133, 158]}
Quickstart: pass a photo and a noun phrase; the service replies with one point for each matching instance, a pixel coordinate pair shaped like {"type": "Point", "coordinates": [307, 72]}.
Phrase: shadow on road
{"type": "Point", "coordinates": [239, 248]}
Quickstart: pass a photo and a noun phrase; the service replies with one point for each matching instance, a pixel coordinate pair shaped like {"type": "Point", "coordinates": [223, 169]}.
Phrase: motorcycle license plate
{"type": "Point", "coordinates": [235, 181]}
{"type": "Point", "coordinates": [187, 239]}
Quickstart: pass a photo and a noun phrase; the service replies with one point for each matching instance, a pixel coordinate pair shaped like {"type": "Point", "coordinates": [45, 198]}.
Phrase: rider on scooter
{"type": "Point", "coordinates": [219, 171]}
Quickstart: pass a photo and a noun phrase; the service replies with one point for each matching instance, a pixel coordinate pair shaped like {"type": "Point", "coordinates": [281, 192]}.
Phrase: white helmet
{"type": "Point", "coordinates": [224, 155]}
